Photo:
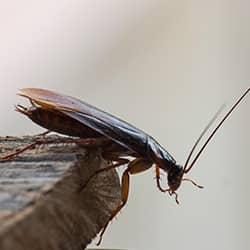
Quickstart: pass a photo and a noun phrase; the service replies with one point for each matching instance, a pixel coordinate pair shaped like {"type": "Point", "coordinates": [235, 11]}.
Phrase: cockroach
{"type": "Point", "coordinates": [70, 116]}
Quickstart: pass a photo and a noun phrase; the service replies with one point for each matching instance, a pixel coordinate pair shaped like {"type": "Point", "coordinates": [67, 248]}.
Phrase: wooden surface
{"type": "Point", "coordinates": [40, 205]}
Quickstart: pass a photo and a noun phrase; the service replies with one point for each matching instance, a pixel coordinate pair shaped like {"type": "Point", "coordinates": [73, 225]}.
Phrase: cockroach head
{"type": "Point", "coordinates": [175, 176]}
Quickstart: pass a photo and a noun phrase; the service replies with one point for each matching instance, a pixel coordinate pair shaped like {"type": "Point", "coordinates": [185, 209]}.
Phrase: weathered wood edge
{"type": "Point", "coordinates": [55, 215]}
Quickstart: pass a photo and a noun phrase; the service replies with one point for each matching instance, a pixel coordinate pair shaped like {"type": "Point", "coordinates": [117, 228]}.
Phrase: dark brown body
{"type": "Point", "coordinates": [60, 123]}
{"type": "Point", "coordinates": [73, 117]}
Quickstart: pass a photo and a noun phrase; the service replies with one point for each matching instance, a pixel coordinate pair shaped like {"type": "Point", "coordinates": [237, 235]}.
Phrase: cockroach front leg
{"type": "Point", "coordinates": [136, 166]}
{"type": "Point", "coordinates": [158, 183]}
{"type": "Point", "coordinates": [164, 190]}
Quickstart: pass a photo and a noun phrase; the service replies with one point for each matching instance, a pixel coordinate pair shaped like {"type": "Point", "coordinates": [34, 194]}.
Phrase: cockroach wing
{"type": "Point", "coordinates": [104, 123]}
{"type": "Point", "coordinates": [125, 136]}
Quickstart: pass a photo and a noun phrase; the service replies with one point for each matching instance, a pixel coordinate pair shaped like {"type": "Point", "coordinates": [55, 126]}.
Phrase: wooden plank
{"type": "Point", "coordinates": [40, 203]}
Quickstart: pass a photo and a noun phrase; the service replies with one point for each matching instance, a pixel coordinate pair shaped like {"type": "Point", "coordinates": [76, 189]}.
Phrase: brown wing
{"type": "Point", "coordinates": [104, 123]}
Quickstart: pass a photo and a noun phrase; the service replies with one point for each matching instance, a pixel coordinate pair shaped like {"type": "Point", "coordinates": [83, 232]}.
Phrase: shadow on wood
{"type": "Point", "coordinates": [40, 206]}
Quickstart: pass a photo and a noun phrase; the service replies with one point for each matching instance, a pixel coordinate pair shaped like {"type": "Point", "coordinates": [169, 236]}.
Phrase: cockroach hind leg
{"type": "Point", "coordinates": [99, 241]}
{"type": "Point", "coordinates": [18, 152]}
{"type": "Point", "coordinates": [119, 162]}
{"type": "Point", "coordinates": [124, 199]}
{"type": "Point", "coordinates": [193, 182]}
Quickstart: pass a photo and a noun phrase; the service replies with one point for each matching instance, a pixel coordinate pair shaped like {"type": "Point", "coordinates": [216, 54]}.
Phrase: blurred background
{"type": "Point", "coordinates": [164, 66]}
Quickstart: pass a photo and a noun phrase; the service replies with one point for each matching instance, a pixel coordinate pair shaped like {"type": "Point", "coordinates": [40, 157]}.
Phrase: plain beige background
{"type": "Point", "coordinates": [164, 66]}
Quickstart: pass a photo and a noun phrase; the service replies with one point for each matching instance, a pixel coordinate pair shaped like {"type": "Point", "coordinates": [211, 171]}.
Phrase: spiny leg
{"type": "Point", "coordinates": [119, 162]}
{"type": "Point", "coordinates": [136, 166]}
{"type": "Point", "coordinates": [80, 141]}
{"type": "Point", "coordinates": [158, 183]}
{"type": "Point", "coordinates": [110, 157]}
{"type": "Point", "coordinates": [23, 149]}
{"type": "Point", "coordinates": [17, 152]}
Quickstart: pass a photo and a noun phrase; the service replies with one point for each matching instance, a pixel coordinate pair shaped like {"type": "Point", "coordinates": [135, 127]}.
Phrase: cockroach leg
{"type": "Point", "coordinates": [135, 166]}
{"type": "Point", "coordinates": [157, 171]}
{"type": "Point", "coordinates": [158, 183]}
{"type": "Point", "coordinates": [119, 162]}
{"type": "Point", "coordinates": [88, 142]}
{"type": "Point", "coordinates": [194, 183]}
{"type": "Point", "coordinates": [124, 193]}
{"type": "Point", "coordinates": [19, 151]}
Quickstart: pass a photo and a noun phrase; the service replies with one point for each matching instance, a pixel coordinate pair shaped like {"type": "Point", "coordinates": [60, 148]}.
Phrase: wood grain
{"type": "Point", "coordinates": [40, 203]}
